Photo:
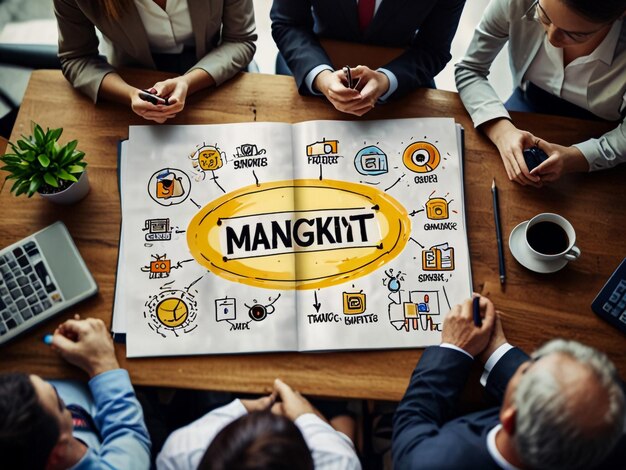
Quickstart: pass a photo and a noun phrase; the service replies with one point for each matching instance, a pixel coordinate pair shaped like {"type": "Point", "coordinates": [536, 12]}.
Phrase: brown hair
{"type": "Point", "coordinates": [603, 11]}
{"type": "Point", "coordinates": [258, 441]}
{"type": "Point", "coordinates": [115, 8]}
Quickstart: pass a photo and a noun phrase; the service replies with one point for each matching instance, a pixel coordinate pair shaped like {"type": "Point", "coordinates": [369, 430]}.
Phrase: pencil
{"type": "Point", "coordinates": [476, 312]}
{"type": "Point", "coordinates": [496, 218]}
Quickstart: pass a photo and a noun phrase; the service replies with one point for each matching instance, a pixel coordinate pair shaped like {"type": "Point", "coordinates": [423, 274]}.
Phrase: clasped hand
{"type": "Point", "coordinates": [174, 89]}
{"type": "Point", "coordinates": [371, 85]}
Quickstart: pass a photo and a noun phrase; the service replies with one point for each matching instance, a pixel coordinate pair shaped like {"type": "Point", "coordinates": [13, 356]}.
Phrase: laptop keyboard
{"type": "Point", "coordinates": [27, 288]}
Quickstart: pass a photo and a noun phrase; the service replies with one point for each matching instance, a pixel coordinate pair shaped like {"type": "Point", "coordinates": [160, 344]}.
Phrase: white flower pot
{"type": "Point", "coordinates": [71, 194]}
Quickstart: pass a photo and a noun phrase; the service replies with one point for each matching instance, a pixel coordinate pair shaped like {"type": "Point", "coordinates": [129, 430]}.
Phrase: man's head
{"type": "Point", "coordinates": [33, 423]}
{"type": "Point", "coordinates": [258, 440]}
{"type": "Point", "coordinates": [564, 409]}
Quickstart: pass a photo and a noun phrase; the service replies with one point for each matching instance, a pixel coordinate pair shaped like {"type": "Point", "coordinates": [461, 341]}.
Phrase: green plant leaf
{"type": "Point", "coordinates": [44, 160]}
{"type": "Point", "coordinates": [51, 180]}
{"type": "Point", "coordinates": [22, 188]}
{"type": "Point", "coordinates": [71, 146]}
{"type": "Point", "coordinates": [34, 186]}
{"type": "Point", "coordinates": [29, 156]}
{"type": "Point", "coordinates": [64, 175]}
{"type": "Point", "coordinates": [75, 169]}
{"type": "Point", "coordinates": [55, 134]}
{"type": "Point", "coordinates": [10, 158]}
{"type": "Point", "coordinates": [38, 133]}
{"type": "Point", "coordinates": [25, 144]}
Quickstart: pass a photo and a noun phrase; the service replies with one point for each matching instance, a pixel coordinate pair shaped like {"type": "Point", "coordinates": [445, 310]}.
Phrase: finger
{"type": "Point", "coordinates": [75, 326]}
{"type": "Point", "coordinates": [284, 391]}
{"type": "Point", "coordinates": [347, 96]}
{"type": "Point", "coordinates": [278, 409]}
{"type": "Point", "coordinates": [63, 344]}
{"type": "Point", "coordinates": [467, 312]}
{"type": "Point", "coordinates": [488, 312]}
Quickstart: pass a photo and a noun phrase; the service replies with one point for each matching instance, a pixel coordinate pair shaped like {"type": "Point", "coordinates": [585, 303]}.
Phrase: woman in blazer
{"type": "Point", "coordinates": [205, 41]}
{"type": "Point", "coordinates": [567, 57]}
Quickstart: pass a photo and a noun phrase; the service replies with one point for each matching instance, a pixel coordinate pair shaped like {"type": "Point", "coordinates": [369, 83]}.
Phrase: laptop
{"type": "Point", "coordinates": [40, 276]}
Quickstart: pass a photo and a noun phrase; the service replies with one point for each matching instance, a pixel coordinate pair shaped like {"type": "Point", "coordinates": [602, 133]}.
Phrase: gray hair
{"type": "Point", "coordinates": [547, 434]}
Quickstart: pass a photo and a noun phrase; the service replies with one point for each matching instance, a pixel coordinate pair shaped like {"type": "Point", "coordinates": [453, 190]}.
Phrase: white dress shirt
{"type": "Point", "coordinates": [572, 81]}
{"type": "Point", "coordinates": [184, 448]}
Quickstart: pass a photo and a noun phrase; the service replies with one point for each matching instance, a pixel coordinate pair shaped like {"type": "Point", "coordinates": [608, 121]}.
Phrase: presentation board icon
{"type": "Point", "coordinates": [225, 309]}
{"type": "Point", "coordinates": [438, 258]}
{"type": "Point", "coordinates": [353, 303]}
{"type": "Point", "coordinates": [437, 208]}
{"type": "Point", "coordinates": [371, 161]}
{"type": "Point", "coordinates": [421, 157]}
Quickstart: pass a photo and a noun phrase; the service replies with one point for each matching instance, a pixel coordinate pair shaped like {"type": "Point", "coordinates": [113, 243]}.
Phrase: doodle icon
{"type": "Point", "coordinates": [438, 258]}
{"type": "Point", "coordinates": [169, 186]}
{"type": "Point", "coordinates": [258, 312]}
{"type": "Point", "coordinates": [172, 312]}
{"type": "Point", "coordinates": [158, 229]}
{"type": "Point", "coordinates": [249, 150]}
{"type": "Point", "coordinates": [225, 309]}
{"type": "Point", "coordinates": [353, 303]}
{"type": "Point", "coordinates": [208, 158]}
{"type": "Point", "coordinates": [437, 208]}
{"type": "Point", "coordinates": [325, 147]}
{"type": "Point", "coordinates": [371, 161]}
{"type": "Point", "coordinates": [421, 157]}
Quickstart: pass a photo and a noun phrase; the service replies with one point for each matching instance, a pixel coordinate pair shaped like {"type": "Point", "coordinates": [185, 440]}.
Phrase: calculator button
{"type": "Point", "coordinates": [615, 296]}
{"type": "Point", "coordinates": [623, 318]}
{"type": "Point", "coordinates": [11, 323]}
{"type": "Point", "coordinates": [46, 304]}
{"type": "Point", "coordinates": [616, 312]}
{"type": "Point", "coordinates": [21, 304]}
{"type": "Point", "coordinates": [621, 287]}
{"type": "Point", "coordinates": [17, 252]}
{"type": "Point", "coordinates": [27, 290]}
{"type": "Point", "coordinates": [37, 309]}
{"type": "Point", "coordinates": [3, 329]}
{"type": "Point", "coordinates": [26, 313]}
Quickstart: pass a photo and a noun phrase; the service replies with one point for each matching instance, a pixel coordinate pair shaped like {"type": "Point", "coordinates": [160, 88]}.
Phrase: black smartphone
{"type": "Point", "coordinates": [152, 98]}
{"type": "Point", "coordinates": [534, 157]}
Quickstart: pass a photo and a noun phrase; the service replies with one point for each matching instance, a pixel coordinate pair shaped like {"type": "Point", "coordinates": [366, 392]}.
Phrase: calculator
{"type": "Point", "coordinates": [610, 303]}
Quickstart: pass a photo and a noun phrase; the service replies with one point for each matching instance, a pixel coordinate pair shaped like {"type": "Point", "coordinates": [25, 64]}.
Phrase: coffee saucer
{"type": "Point", "coordinates": [521, 252]}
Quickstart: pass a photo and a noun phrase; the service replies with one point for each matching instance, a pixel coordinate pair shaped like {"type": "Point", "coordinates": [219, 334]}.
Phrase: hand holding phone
{"type": "Point", "coordinates": [534, 157]}
{"type": "Point", "coordinates": [152, 98]}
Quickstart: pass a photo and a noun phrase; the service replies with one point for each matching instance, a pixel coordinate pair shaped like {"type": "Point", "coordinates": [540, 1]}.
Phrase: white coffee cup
{"type": "Point", "coordinates": [551, 237]}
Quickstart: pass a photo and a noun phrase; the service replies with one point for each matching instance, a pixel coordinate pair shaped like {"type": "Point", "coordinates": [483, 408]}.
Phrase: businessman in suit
{"type": "Point", "coordinates": [561, 408]}
{"type": "Point", "coordinates": [424, 29]}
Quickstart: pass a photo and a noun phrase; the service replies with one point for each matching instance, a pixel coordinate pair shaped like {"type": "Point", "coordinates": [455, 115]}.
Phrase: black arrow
{"type": "Point", "coordinates": [317, 305]}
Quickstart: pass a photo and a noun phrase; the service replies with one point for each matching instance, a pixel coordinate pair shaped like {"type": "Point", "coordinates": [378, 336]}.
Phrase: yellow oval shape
{"type": "Point", "coordinates": [301, 234]}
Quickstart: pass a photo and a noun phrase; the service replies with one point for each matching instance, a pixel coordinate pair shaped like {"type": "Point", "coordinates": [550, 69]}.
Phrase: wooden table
{"type": "Point", "coordinates": [535, 307]}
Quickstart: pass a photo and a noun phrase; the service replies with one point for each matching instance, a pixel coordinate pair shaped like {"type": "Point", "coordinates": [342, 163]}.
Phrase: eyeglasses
{"type": "Point", "coordinates": [540, 16]}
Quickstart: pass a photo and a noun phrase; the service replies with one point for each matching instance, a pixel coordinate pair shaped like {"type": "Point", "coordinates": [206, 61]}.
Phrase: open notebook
{"type": "Point", "coordinates": [321, 235]}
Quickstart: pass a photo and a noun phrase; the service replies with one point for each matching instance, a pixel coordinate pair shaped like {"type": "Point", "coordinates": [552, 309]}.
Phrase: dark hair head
{"type": "Point", "coordinates": [27, 432]}
{"type": "Point", "coordinates": [603, 11]}
{"type": "Point", "coordinates": [258, 441]}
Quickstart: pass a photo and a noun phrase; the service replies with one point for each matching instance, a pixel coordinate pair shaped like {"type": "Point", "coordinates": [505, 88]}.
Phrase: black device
{"type": "Point", "coordinates": [534, 157]}
{"type": "Point", "coordinates": [152, 98]}
{"type": "Point", "coordinates": [610, 303]}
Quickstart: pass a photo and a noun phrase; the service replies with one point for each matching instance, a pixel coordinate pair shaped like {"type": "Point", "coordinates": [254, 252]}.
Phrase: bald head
{"type": "Point", "coordinates": [569, 407]}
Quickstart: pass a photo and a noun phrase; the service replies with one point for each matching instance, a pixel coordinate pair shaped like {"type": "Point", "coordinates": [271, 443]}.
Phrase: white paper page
{"type": "Point", "coordinates": [175, 304]}
{"type": "Point", "coordinates": [397, 296]}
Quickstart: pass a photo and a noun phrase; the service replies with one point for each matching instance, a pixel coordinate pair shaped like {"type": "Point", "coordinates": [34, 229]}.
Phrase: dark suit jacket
{"type": "Point", "coordinates": [224, 34]}
{"type": "Point", "coordinates": [297, 24]}
{"type": "Point", "coordinates": [425, 437]}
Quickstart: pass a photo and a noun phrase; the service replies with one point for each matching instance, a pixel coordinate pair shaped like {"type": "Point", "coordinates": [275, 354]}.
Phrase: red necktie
{"type": "Point", "coordinates": [366, 13]}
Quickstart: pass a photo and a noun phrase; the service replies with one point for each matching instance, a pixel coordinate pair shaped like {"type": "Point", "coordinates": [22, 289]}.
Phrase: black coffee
{"type": "Point", "coordinates": [547, 238]}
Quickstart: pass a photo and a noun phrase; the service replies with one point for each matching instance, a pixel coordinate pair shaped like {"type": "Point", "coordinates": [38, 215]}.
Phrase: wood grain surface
{"type": "Point", "coordinates": [535, 307]}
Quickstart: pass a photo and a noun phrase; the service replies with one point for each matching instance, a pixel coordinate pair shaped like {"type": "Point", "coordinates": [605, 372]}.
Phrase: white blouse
{"type": "Point", "coordinates": [571, 82]}
{"type": "Point", "coordinates": [169, 30]}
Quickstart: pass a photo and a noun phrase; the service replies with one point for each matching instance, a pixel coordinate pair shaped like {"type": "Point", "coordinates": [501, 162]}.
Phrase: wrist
{"type": "Point", "coordinates": [384, 82]}
{"type": "Point", "coordinates": [102, 367]}
{"type": "Point", "coordinates": [495, 128]}
{"type": "Point", "coordinates": [574, 161]}
{"type": "Point", "coordinates": [319, 82]}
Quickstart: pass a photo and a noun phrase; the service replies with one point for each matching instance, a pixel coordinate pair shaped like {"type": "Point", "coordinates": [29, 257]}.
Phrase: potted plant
{"type": "Point", "coordinates": [39, 164]}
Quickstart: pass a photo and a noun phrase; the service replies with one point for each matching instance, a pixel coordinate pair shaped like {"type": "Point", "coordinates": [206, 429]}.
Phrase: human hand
{"type": "Point", "coordinates": [497, 339]}
{"type": "Point", "coordinates": [333, 87]}
{"type": "Point", "coordinates": [459, 328]}
{"type": "Point", "coordinates": [175, 90]}
{"type": "Point", "coordinates": [292, 404]}
{"type": "Point", "coordinates": [371, 84]}
{"type": "Point", "coordinates": [561, 160]}
{"type": "Point", "coordinates": [511, 143]}
{"type": "Point", "coordinates": [260, 404]}
{"type": "Point", "coordinates": [87, 344]}
{"type": "Point", "coordinates": [153, 112]}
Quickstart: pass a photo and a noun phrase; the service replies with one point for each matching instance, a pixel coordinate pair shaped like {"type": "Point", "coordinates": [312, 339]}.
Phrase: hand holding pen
{"type": "Point", "coordinates": [460, 327]}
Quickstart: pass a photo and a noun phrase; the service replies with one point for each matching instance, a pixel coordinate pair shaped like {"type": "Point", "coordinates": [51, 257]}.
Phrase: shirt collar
{"type": "Point", "coordinates": [606, 49]}
{"type": "Point", "coordinates": [494, 452]}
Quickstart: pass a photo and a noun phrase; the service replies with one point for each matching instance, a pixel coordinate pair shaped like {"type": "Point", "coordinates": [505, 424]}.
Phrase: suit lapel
{"type": "Point", "coordinates": [387, 11]}
{"type": "Point", "coordinates": [199, 15]}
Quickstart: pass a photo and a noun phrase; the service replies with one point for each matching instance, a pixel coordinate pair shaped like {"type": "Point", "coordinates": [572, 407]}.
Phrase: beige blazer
{"type": "Point", "coordinates": [224, 32]}
{"type": "Point", "coordinates": [506, 21]}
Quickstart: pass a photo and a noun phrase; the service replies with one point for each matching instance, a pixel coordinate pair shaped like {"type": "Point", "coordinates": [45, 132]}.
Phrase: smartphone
{"type": "Point", "coordinates": [534, 157]}
{"type": "Point", "coordinates": [151, 98]}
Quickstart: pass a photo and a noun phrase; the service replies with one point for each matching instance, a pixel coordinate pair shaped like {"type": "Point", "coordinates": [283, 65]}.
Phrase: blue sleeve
{"type": "Point", "coordinates": [502, 372]}
{"type": "Point", "coordinates": [430, 49]}
{"type": "Point", "coordinates": [292, 30]}
{"type": "Point", "coordinates": [429, 401]}
{"type": "Point", "coordinates": [119, 417]}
